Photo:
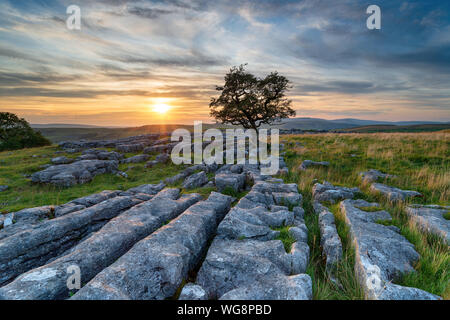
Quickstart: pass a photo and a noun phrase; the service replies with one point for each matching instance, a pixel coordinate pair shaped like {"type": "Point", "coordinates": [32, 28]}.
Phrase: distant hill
{"type": "Point", "coordinates": [396, 128]}
{"type": "Point", "coordinates": [322, 124]}
{"type": "Point", "coordinates": [62, 132]}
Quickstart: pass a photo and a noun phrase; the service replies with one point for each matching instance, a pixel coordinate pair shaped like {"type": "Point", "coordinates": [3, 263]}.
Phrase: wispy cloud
{"type": "Point", "coordinates": [130, 52]}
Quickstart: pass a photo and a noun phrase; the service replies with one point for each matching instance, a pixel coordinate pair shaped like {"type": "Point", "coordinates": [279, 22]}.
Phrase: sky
{"type": "Point", "coordinates": [132, 57]}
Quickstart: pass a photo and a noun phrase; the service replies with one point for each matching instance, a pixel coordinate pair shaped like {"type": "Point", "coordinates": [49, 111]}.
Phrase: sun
{"type": "Point", "coordinates": [161, 107]}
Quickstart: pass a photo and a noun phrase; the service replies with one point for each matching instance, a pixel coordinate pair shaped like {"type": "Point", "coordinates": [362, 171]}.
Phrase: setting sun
{"type": "Point", "coordinates": [161, 108]}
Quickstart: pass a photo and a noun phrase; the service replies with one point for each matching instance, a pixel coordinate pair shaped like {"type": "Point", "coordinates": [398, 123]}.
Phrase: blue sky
{"type": "Point", "coordinates": [132, 55]}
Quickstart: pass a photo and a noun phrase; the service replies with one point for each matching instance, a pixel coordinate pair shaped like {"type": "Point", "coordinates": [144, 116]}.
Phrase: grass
{"type": "Point", "coordinates": [447, 215]}
{"type": "Point", "coordinates": [16, 165]}
{"type": "Point", "coordinates": [420, 162]}
{"type": "Point", "coordinates": [285, 237]}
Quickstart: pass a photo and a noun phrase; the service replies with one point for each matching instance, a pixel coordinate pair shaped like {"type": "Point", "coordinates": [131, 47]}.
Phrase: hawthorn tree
{"type": "Point", "coordinates": [250, 101]}
{"type": "Point", "coordinates": [16, 133]}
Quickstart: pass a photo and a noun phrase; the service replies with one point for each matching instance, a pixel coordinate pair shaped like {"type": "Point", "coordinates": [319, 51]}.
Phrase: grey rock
{"type": "Point", "coordinates": [33, 247]}
{"type": "Point", "coordinates": [329, 237]}
{"type": "Point", "coordinates": [151, 164]}
{"type": "Point", "coordinates": [176, 178]}
{"type": "Point", "coordinates": [136, 159]}
{"type": "Point", "coordinates": [195, 180]}
{"type": "Point", "coordinates": [61, 160]}
{"type": "Point", "coordinates": [99, 154]}
{"type": "Point", "coordinates": [229, 180]}
{"type": "Point", "coordinates": [156, 266]}
{"type": "Point", "coordinates": [193, 292]}
{"type": "Point", "coordinates": [233, 267]}
{"type": "Point", "coordinates": [151, 189]}
{"type": "Point", "coordinates": [382, 254]}
{"type": "Point", "coordinates": [393, 194]}
{"type": "Point", "coordinates": [297, 287]}
{"type": "Point", "coordinates": [122, 174]}
{"type": "Point", "coordinates": [3, 188]}
{"type": "Point", "coordinates": [101, 249]}
{"type": "Point", "coordinates": [287, 198]}
{"type": "Point", "coordinates": [431, 219]}
{"type": "Point", "coordinates": [309, 163]}
{"type": "Point", "coordinates": [75, 173]}
{"type": "Point", "coordinates": [373, 175]}
{"type": "Point", "coordinates": [326, 192]}
{"type": "Point", "coordinates": [162, 158]}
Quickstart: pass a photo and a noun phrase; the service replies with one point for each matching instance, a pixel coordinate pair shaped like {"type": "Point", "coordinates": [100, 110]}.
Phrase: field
{"type": "Point", "coordinates": [420, 162]}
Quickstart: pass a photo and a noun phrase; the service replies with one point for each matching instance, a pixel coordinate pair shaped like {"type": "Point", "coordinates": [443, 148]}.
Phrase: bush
{"type": "Point", "coordinates": [16, 133]}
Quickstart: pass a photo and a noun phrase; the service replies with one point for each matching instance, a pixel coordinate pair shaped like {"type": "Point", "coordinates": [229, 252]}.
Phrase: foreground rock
{"type": "Point", "coordinates": [193, 292]}
{"type": "Point", "coordinates": [196, 180]}
{"type": "Point", "coordinates": [309, 163]}
{"type": "Point", "coordinates": [61, 160]}
{"type": "Point", "coordinates": [79, 172]}
{"type": "Point", "coordinates": [329, 237]}
{"type": "Point", "coordinates": [393, 194]}
{"type": "Point", "coordinates": [99, 154]}
{"type": "Point", "coordinates": [34, 247]}
{"type": "Point", "coordinates": [431, 219]}
{"type": "Point", "coordinates": [382, 254]}
{"type": "Point", "coordinates": [245, 262]}
{"type": "Point", "coordinates": [136, 159]}
{"type": "Point", "coordinates": [156, 266]}
{"type": "Point", "coordinates": [373, 175]}
{"type": "Point", "coordinates": [145, 139]}
{"type": "Point", "coordinates": [326, 192]}
{"type": "Point", "coordinates": [233, 181]}
{"type": "Point", "coordinates": [101, 249]}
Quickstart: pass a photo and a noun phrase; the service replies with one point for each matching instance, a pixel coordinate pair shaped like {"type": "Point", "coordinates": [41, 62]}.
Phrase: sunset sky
{"type": "Point", "coordinates": [131, 60]}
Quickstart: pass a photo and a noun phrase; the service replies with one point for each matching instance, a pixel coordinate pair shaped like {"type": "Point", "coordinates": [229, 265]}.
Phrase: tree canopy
{"type": "Point", "coordinates": [250, 101]}
{"type": "Point", "coordinates": [16, 133]}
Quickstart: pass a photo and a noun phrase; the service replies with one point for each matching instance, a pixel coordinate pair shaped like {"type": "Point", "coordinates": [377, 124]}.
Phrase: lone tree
{"type": "Point", "coordinates": [16, 133]}
{"type": "Point", "coordinates": [250, 101]}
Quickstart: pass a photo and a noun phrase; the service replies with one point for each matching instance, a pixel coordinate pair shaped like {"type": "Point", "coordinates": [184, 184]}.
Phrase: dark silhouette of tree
{"type": "Point", "coordinates": [250, 101]}
{"type": "Point", "coordinates": [16, 133]}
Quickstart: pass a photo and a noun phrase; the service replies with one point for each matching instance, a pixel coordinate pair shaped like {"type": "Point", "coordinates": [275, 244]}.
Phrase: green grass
{"type": "Point", "coordinates": [285, 237]}
{"type": "Point", "coordinates": [420, 161]}
{"type": "Point", "coordinates": [23, 194]}
{"type": "Point", "coordinates": [447, 215]}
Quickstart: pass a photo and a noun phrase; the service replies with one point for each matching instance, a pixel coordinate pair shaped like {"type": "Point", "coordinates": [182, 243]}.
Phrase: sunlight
{"type": "Point", "coordinates": [161, 108]}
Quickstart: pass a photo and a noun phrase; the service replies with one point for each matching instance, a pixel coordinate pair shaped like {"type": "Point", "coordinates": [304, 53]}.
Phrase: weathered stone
{"type": "Point", "coordinates": [196, 180]}
{"type": "Point", "coordinates": [233, 267]}
{"type": "Point", "coordinates": [193, 292]}
{"type": "Point", "coordinates": [329, 237]}
{"type": "Point", "coordinates": [162, 158]}
{"type": "Point", "coordinates": [326, 192]}
{"type": "Point", "coordinates": [309, 163]}
{"type": "Point", "coordinates": [373, 175]}
{"type": "Point", "coordinates": [156, 266]}
{"type": "Point", "coordinates": [431, 219]}
{"type": "Point", "coordinates": [33, 247]}
{"type": "Point", "coordinates": [147, 188]}
{"type": "Point", "coordinates": [61, 160]}
{"type": "Point", "coordinates": [175, 179]}
{"type": "Point", "coordinates": [99, 154]}
{"type": "Point", "coordinates": [382, 254]}
{"type": "Point", "coordinates": [244, 262]}
{"type": "Point", "coordinates": [393, 194]}
{"type": "Point", "coordinates": [75, 173]}
{"type": "Point", "coordinates": [136, 159]}
{"type": "Point", "coordinates": [83, 144]}
{"type": "Point", "coordinates": [151, 164]}
{"type": "Point", "coordinates": [229, 180]}
{"type": "Point", "coordinates": [101, 249]}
